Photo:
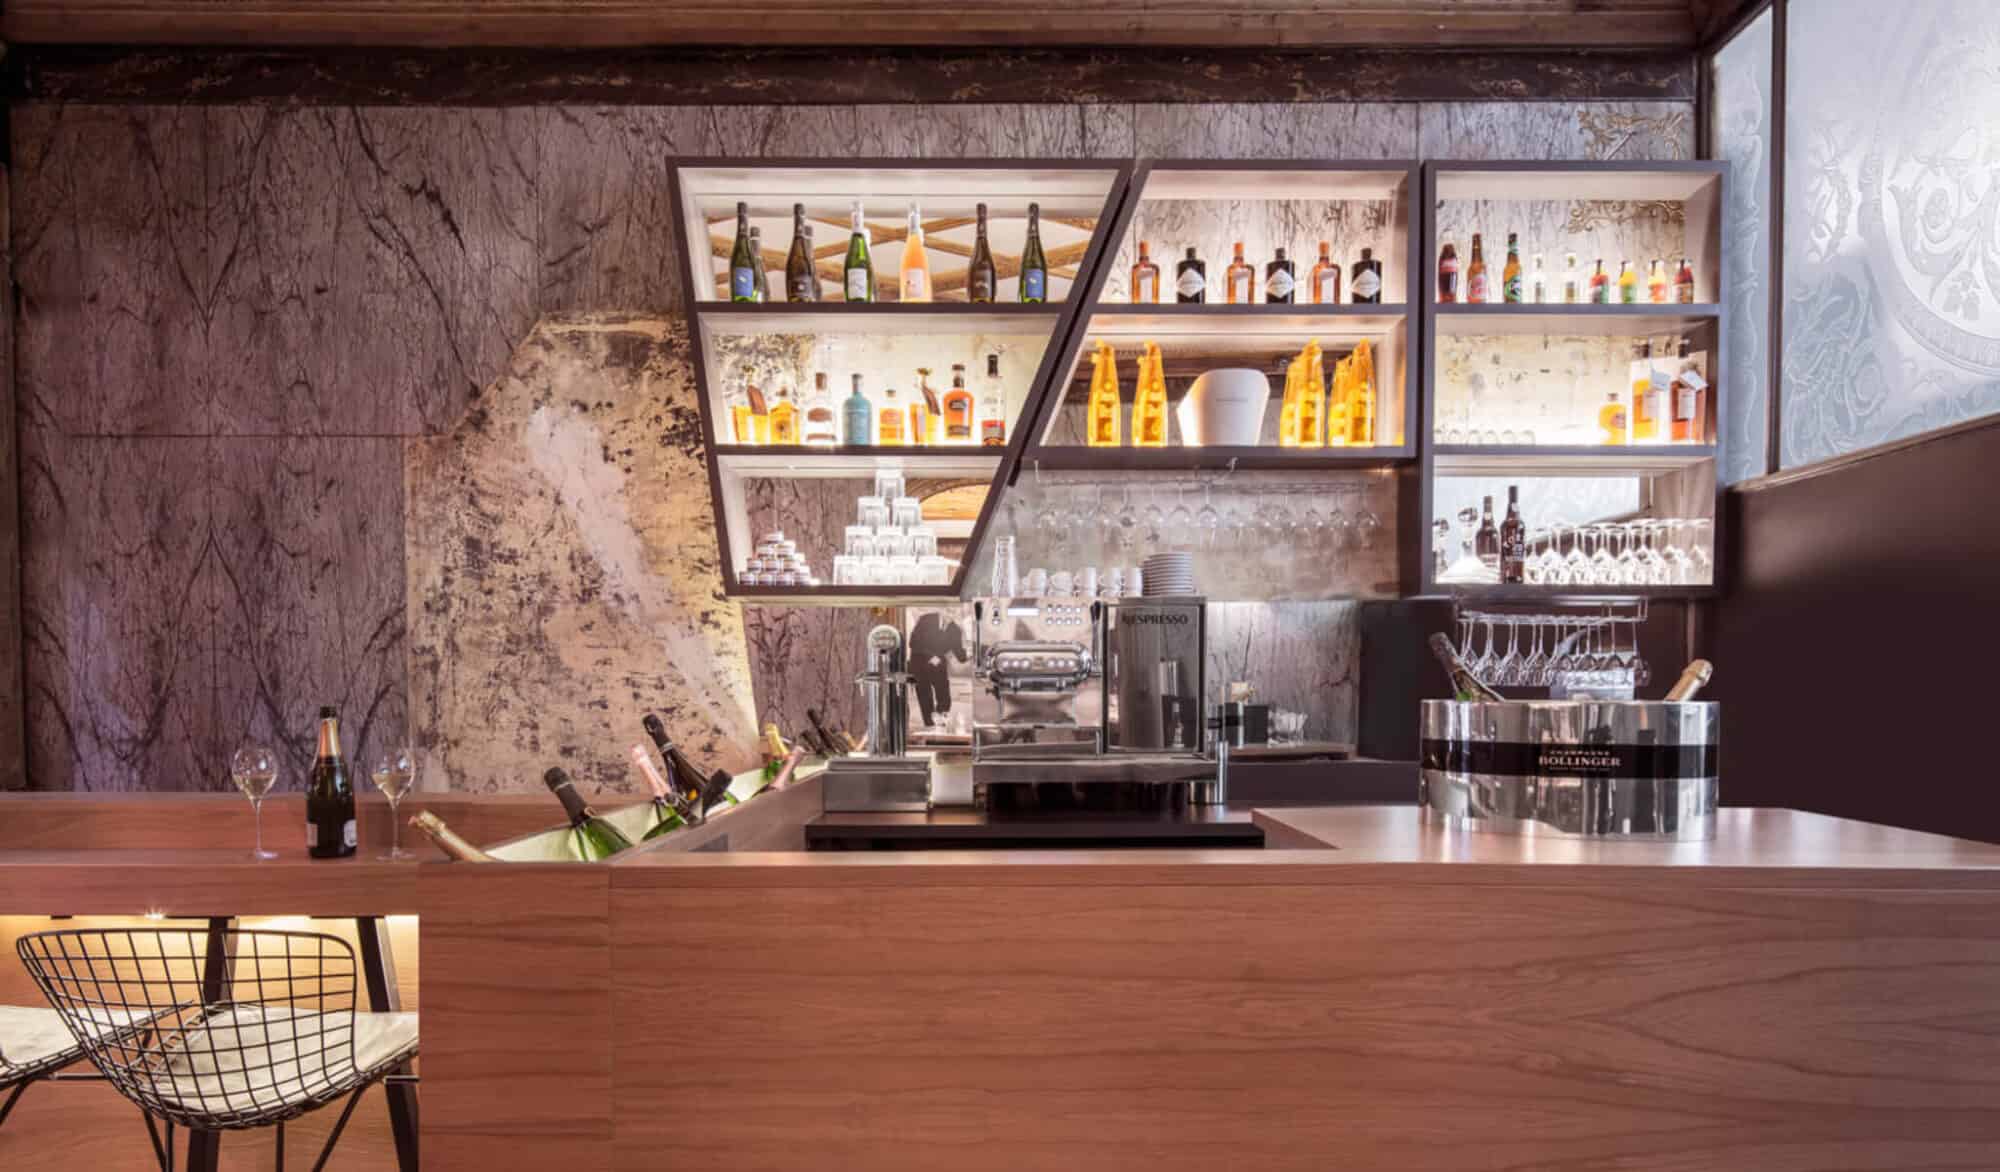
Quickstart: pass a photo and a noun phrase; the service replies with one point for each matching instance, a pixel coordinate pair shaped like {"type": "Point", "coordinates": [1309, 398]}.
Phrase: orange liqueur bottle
{"type": "Point", "coordinates": [1242, 279]}
{"type": "Point", "coordinates": [1145, 278]}
{"type": "Point", "coordinates": [1326, 277]}
{"type": "Point", "coordinates": [958, 408]}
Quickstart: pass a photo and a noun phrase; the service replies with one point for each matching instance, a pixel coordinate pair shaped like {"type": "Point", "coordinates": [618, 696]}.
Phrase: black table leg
{"type": "Point", "coordinates": [378, 969]}
{"type": "Point", "coordinates": [217, 978]}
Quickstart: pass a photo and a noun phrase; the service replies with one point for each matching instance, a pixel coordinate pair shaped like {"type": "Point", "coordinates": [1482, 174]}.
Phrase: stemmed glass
{"type": "Point", "coordinates": [254, 768]}
{"type": "Point", "coordinates": [394, 774]}
{"type": "Point", "coordinates": [1604, 563]}
{"type": "Point", "coordinates": [1153, 524]}
{"type": "Point", "coordinates": [1576, 565]}
{"type": "Point", "coordinates": [1208, 521]}
{"type": "Point", "coordinates": [1701, 555]}
{"type": "Point", "coordinates": [1180, 522]}
{"type": "Point", "coordinates": [1366, 527]}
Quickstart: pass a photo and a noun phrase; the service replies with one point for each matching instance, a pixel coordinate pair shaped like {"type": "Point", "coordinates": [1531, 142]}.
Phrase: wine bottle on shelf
{"type": "Point", "coordinates": [916, 269]}
{"type": "Point", "coordinates": [1448, 273]}
{"type": "Point", "coordinates": [761, 280]}
{"type": "Point", "coordinates": [1240, 279]}
{"type": "Point", "coordinates": [993, 407]}
{"type": "Point", "coordinates": [1600, 285]}
{"type": "Point", "coordinates": [1538, 283]}
{"type": "Point", "coordinates": [742, 270]}
{"type": "Point", "coordinates": [1475, 273]}
{"type": "Point", "coordinates": [329, 795]}
{"type": "Point", "coordinates": [447, 839]}
{"type": "Point", "coordinates": [1191, 279]}
{"type": "Point", "coordinates": [1513, 540]}
{"type": "Point", "coordinates": [1326, 277]}
{"type": "Point", "coordinates": [1510, 273]}
{"type": "Point", "coordinates": [1694, 677]}
{"type": "Point", "coordinates": [820, 431]}
{"type": "Point", "coordinates": [1684, 283]}
{"type": "Point", "coordinates": [590, 837]}
{"type": "Point", "coordinates": [1145, 278]}
{"type": "Point", "coordinates": [669, 808]}
{"type": "Point", "coordinates": [858, 273]}
{"type": "Point", "coordinates": [1486, 542]}
{"type": "Point", "coordinates": [858, 418]}
{"type": "Point", "coordinates": [1572, 283]}
{"type": "Point", "coordinates": [1465, 683]}
{"type": "Point", "coordinates": [785, 419]}
{"type": "Point", "coordinates": [926, 412]}
{"type": "Point", "coordinates": [957, 406]}
{"type": "Point", "coordinates": [889, 420]}
{"type": "Point", "coordinates": [982, 276]}
{"type": "Point", "coordinates": [1656, 282]}
{"type": "Point", "coordinates": [801, 277]}
{"type": "Point", "coordinates": [1628, 284]}
{"type": "Point", "coordinates": [754, 427]}
{"type": "Point", "coordinates": [1279, 282]}
{"type": "Point", "coordinates": [1034, 262]}
{"type": "Point", "coordinates": [1367, 282]}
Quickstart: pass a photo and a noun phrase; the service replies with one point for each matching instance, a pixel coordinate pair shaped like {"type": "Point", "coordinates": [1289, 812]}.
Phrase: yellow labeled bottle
{"type": "Point", "coordinates": [1312, 399]}
{"type": "Point", "coordinates": [1288, 407]}
{"type": "Point", "coordinates": [1106, 410]}
{"type": "Point", "coordinates": [1361, 398]}
{"type": "Point", "coordinates": [1149, 400]}
{"type": "Point", "coordinates": [889, 421]}
{"type": "Point", "coordinates": [1611, 421]}
{"type": "Point", "coordinates": [753, 421]}
{"type": "Point", "coordinates": [785, 418]}
{"type": "Point", "coordinates": [1336, 404]}
{"type": "Point", "coordinates": [925, 411]}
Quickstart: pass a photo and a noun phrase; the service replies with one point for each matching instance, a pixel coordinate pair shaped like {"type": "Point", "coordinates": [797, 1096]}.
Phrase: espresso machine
{"type": "Point", "coordinates": [1090, 705]}
{"type": "Point", "coordinates": [883, 776]}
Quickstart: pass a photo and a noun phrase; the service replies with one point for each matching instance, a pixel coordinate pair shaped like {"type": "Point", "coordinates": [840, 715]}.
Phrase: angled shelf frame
{"type": "Point", "coordinates": [1673, 479]}
{"type": "Point", "coordinates": [1079, 201]}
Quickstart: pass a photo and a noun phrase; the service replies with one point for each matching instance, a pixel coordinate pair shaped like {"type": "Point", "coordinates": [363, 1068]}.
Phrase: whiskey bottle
{"type": "Point", "coordinates": [993, 407]}
{"type": "Point", "coordinates": [858, 272]}
{"type": "Point", "coordinates": [1510, 273]}
{"type": "Point", "coordinates": [761, 281]}
{"type": "Point", "coordinates": [754, 425]}
{"type": "Point", "coordinates": [889, 420]}
{"type": "Point", "coordinates": [957, 407]}
{"type": "Point", "coordinates": [1145, 278]}
{"type": "Point", "coordinates": [1600, 285]}
{"type": "Point", "coordinates": [1475, 273]}
{"type": "Point", "coordinates": [858, 418]}
{"type": "Point", "coordinates": [1611, 424]}
{"type": "Point", "coordinates": [1191, 280]}
{"type": "Point", "coordinates": [1684, 283]}
{"type": "Point", "coordinates": [742, 270]}
{"type": "Point", "coordinates": [1572, 281]}
{"type": "Point", "coordinates": [1628, 284]}
{"type": "Point", "coordinates": [1367, 283]}
{"type": "Point", "coordinates": [925, 411]}
{"type": "Point", "coordinates": [819, 430]}
{"type": "Point", "coordinates": [1240, 279]}
{"type": "Point", "coordinates": [1648, 396]}
{"type": "Point", "coordinates": [982, 277]}
{"type": "Point", "coordinates": [1538, 283]}
{"type": "Point", "coordinates": [1656, 282]}
{"type": "Point", "coordinates": [1034, 262]}
{"type": "Point", "coordinates": [1326, 277]}
{"type": "Point", "coordinates": [801, 277]}
{"type": "Point", "coordinates": [1690, 398]}
{"type": "Point", "coordinates": [1513, 540]}
{"type": "Point", "coordinates": [1279, 281]}
{"type": "Point", "coordinates": [785, 419]}
{"type": "Point", "coordinates": [915, 278]}
{"type": "Point", "coordinates": [1448, 274]}
{"type": "Point", "coordinates": [1486, 542]}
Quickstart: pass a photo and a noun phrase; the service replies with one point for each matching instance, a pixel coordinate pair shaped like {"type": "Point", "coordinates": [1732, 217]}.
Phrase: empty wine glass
{"type": "Point", "coordinates": [1152, 524]}
{"type": "Point", "coordinates": [254, 769]}
{"type": "Point", "coordinates": [1180, 522]}
{"type": "Point", "coordinates": [1208, 522]}
{"type": "Point", "coordinates": [1366, 527]}
{"type": "Point", "coordinates": [1125, 523]}
{"type": "Point", "coordinates": [1701, 554]}
{"type": "Point", "coordinates": [1340, 530]}
{"type": "Point", "coordinates": [394, 774]}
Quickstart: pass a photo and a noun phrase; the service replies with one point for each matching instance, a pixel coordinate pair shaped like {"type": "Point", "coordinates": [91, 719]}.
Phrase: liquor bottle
{"type": "Point", "coordinates": [1149, 400]}
{"type": "Point", "coordinates": [1145, 278]}
{"type": "Point", "coordinates": [1611, 421]}
{"type": "Point", "coordinates": [1475, 273]}
{"type": "Point", "coordinates": [1690, 398]}
{"type": "Point", "coordinates": [857, 418]}
{"type": "Point", "coordinates": [752, 419]}
{"type": "Point", "coordinates": [1513, 540]}
{"type": "Point", "coordinates": [1361, 396]}
{"type": "Point", "coordinates": [1684, 283]}
{"type": "Point", "coordinates": [1279, 281]}
{"type": "Point", "coordinates": [1326, 277]}
{"type": "Point", "coordinates": [820, 431]}
{"type": "Point", "coordinates": [1510, 273]}
{"type": "Point", "coordinates": [1299, 411]}
{"type": "Point", "coordinates": [1538, 283]}
{"type": "Point", "coordinates": [1600, 285]}
{"type": "Point", "coordinates": [1106, 409]}
{"type": "Point", "coordinates": [925, 411]}
{"type": "Point", "coordinates": [761, 281]}
{"type": "Point", "coordinates": [1240, 279]}
{"type": "Point", "coordinates": [1486, 542]}
{"type": "Point", "coordinates": [1034, 262]}
{"type": "Point", "coordinates": [957, 408]}
{"type": "Point", "coordinates": [801, 277]}
{"type": "Point", "coordinates": [682, 774]}
{"type": "Point", "coordinates": [833, 737]}
{"type": "Point", "coordinates": [1337, 396]}
{"type": "Point", "coordinates": [742, 270]}
{"type": "Point", "coordinates": [982, 276]}
{"type": "Point", "coordinates": [1656, 281]}
{"type": "Point", "coordinates": [1465, 684]}
{"type": "Point", "coordinates": [992, 407]}
{"type": "Point", "coordinates": [1628, 284]}
{"type": "Point", "coordinates": [1646, 404]}
{"type": "Point", "coordinates": [1312, 399]}
{"type": "Point", "coordinates": [858, 273]}
{"type": "Point", "coordinates": [916, 275]}
{"type": "Point", "coordinates": [1190, 280]}
{"type": "Point", "coordinates": [1448, 273]}
{"type": "Point", "coordinates": [590, 837]}
{"type": "Point", "coordinates": [889, 420]}
{"type": "Point", "coordinates": [1572, 283]}
{"type": "Point", "coordinates": [1694, 677]}
{"type": "Point", "coordinates": [447, 839]}
{"type": "Point", "coordinates": [785, 419]}
{"type": "Point", "coordinates": [670, 807]}
{"type": "Point", "coordinates": [739, 417]}
{"type": "Point", "coordinates": [329, 795]}
{"type": "Point", "coordinates": [1366, 287]}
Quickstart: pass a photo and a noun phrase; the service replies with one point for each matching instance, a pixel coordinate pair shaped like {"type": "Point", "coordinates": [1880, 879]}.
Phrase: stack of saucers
{"type": "Point", "coordinates": [1169, 573]}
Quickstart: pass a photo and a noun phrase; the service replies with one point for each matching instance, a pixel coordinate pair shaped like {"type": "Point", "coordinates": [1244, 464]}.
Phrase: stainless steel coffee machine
{"type": "Point", "coordinates": [883, 776]}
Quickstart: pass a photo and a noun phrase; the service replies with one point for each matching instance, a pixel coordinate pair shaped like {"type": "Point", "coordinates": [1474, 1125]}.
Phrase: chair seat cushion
{"type": "Point", "coordinates": [247, 1061]}
{"type": "Point", "coordinates": [34, 1040]}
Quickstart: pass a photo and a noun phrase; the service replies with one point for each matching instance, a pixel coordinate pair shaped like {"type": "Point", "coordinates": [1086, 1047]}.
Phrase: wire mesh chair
{"type": "Point", "coordinates": [34, 1043]}
{"type": "Point", "coordinates": [220, 1030]}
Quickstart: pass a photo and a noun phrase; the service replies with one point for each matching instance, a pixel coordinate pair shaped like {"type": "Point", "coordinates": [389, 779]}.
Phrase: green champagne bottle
{"type": "Point", "coordinates": [742, 259]}
{"type": "Point", "coordinates": [801, 279]}
{"type": "Point", "coordinates": [590, 837]}
{"type": "Point", "coordinates": [1034, 262]}
{"type": "Point", "coordinates": [858, 278]}
{"type": "Point", "coordinates": [329, 795]}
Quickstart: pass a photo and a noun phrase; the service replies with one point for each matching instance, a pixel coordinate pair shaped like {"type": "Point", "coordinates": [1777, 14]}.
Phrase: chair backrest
{"type": "Point", "coordinates": [211, 1028]}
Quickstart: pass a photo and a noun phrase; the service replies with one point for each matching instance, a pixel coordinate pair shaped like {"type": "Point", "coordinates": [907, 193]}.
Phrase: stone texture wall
{"type": "Point", "coordinates": [269, 358]}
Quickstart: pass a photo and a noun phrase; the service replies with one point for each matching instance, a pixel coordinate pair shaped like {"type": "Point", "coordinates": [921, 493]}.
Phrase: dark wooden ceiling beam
{"type": "Point", "coordinates": [625, 23]}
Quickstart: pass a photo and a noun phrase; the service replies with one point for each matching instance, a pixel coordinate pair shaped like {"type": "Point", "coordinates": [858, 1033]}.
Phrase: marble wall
{"type": "Point", "coordinates": [290, 434]}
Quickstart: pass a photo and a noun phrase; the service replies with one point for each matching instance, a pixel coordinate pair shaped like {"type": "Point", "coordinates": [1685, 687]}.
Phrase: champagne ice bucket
{"type": "Point", "coordinates": [1638, 769]}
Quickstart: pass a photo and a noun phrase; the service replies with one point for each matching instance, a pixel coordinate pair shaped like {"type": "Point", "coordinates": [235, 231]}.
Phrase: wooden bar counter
{"type": "Point", "coordinates": [1370, 992]}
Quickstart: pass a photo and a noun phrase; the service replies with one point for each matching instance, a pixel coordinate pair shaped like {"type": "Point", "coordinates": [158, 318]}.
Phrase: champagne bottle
{"type": "Point", "coordinates": [590, 837]}
{"type": "Point", "coordinates": [742, 269]}
{"type": "Point", "coordinates": [833, 741]}
{"type": "Point", "coordinates": [1464, 684]}
{"type": "Point", "coordinates": [329, 795]}
{"type": "Point", "coordinates": [761, 282]}
{"type": "Point", "coordinates": [670, 811]}
{"type": "Point", "coordinates": [858, 275]}
{"type": "Point", "coordinates": [982, 277]}
{"type": "Point", "coordinates": [1034, 262]}
{"type": "Point", "coordinates": [1694, 677]}
{"type": "Point", "coordinates": [447, 840]}
{"type": "Point", "coordinates": [801, 277]}
{"type": "Point", "coordinates": [712, 792]}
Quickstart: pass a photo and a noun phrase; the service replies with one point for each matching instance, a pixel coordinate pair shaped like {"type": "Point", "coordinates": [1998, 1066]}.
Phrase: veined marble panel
{"type": "Point", "coordinates": [606, 214]}
{"type": "Point", "coordinates": [1300, 656]}
{"type": "Point", "coordinates": [1276, 130]}
{"type": "Point", "coordinates": [1555, 130]}
{"type": "Point", "coordinates": [563, 576]}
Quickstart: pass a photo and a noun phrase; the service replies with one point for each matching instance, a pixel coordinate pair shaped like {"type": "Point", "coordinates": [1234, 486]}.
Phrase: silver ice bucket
{"type": "Point", "coordinates": [1642, 769]}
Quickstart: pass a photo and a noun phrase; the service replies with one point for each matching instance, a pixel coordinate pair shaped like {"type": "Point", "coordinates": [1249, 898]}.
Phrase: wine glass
{"type": "Point", "coordinates": [1153, 524]}
{"type": "Point", "coordinates": [254, 768]}
{"type": "Point", "coordinates": [1208, 521]}
{"type": "Point", "coordinates": [1180, 522]}
{"type": "Point", "coordinates": [394, 774]}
